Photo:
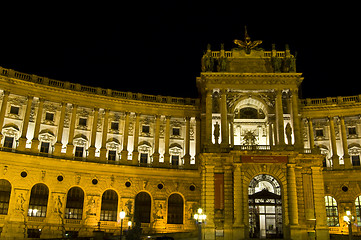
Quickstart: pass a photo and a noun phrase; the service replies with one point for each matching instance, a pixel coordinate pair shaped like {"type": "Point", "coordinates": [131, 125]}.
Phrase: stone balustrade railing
{"type": "Point", "coordinates": [267, 54]}
{"type": "Point", "coordinates": [330, 100]}
{"type": "Point", "coordinates": [97, 90]}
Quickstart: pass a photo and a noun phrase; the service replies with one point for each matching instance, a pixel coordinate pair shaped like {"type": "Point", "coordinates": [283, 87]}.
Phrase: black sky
{"type": "Point", "coordinates": [156, 47]}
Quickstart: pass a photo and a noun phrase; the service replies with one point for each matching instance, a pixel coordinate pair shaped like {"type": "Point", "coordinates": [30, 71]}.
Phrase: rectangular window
{"type": "Point", "coordinates": [319, 133]}
{"type": "Point", "coordinates": [14, 110]}
{"type": "Point", "coordinates": [114, 126]}
{"type": "Point", "coordinates": [49, 116]}
{"type": "Point", "coordinates": [8, 142]}
{"type": "Point", "coordinates": [112, 155]}
{"type": "Point", "coordinates": [145, 129]}
{"type": "Point", "coordinates": [79, 151]}
{"type": "Point", "coordinates": [352, 130]}
{"type": "Point", "coordinates": [176, 132]}
{"type": "Point", "coordinates": [355, 160]}
{"type": "Point", "coordinates": [175, 160]}
{"type": "Point", "coordinates": [82, 122]}
{"type": "Point", "coordinates": [44, 147]}
{"type": "Point", "coordinates": [144, 158]}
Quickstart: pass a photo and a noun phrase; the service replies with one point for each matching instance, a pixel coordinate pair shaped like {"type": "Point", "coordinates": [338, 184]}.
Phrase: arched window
{"type": "Point", "coordinates": [175, 209]}
{"type": "Point", "coordinates": [142, 207]}
{"type": "Point", "coordinates": [331, 212]}
{"type": "Point", "coordinates": [74, 203]}
{"type": "Point", "coordinates": [109, 207]}
{"type": "Point", "coordinates": [38, 200]}
{"type": "Point", "coordinates": [5, 190]}
{"type": "Point", "coordinates": [358, 210]}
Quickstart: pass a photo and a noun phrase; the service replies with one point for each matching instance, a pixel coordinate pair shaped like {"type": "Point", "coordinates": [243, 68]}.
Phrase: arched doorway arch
{"type": "Point", "coordinates": [143, 205]}
{"type": "Point", "coordinates": [250, 122]}
{"type": "Point", "coordinates": [265, 207]}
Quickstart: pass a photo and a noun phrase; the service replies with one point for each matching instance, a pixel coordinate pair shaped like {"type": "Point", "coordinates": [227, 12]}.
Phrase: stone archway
{"type": "Point", "coordinates": [265, 207]}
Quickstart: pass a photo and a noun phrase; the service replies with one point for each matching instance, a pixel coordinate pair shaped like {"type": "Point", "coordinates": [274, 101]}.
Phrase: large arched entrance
{"type": "Point", "coordinates": [265, 207]}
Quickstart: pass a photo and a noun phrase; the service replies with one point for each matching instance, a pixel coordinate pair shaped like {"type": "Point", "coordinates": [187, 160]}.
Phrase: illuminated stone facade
{"type": "Point", "coordinates": [254, 156]}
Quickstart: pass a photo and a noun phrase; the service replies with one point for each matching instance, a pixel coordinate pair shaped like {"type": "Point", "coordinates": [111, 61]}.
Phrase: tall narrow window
{"type": "Point", "coordinates": [44, 147]}
{"type": "Point", "coordinates": [109, 206]}
{"type": "Point", "coordinates": [8, 142]}
{"type": "Point", "coordinates": [79, 151]}
{"type": "Point", "coordinates": [331, 211]}
{"type": "Point", "coordinates": [5, 191]}
{"type": "Point", "coordinates": [358, 210]}
{"type": "Point", "coordinates": [142, 207]}
{"type": "Point", "coordinates": [74, 203]}
{"type": "Point", "coordinates": [38, 200]}
{"type": "Point", "coordinates": [175, 209]}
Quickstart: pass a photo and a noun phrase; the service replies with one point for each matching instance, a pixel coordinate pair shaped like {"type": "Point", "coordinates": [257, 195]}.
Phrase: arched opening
{"type": "Point", "coordinates": [38, 200]}
{"type": "Point", "coordinates": [142, 207]}
{"type": "Point", "coordinates": [5, 191]}
{"type": "Point", "coordinates": [109, 209]}
{"type": "Point", "coordinates": [74, 203]}
{"type": "Point", "coordinates": [265, 207]}
{"type": "Point", "coordinates": [251, 123]}
{"type": "Point", "coordinates": [175, 209]}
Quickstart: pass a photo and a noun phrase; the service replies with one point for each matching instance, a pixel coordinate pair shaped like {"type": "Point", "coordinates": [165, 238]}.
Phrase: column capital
{"type": "Point", "coordinates": [6, 92]}
{"type": "Point", "coordinates": [291, 165]}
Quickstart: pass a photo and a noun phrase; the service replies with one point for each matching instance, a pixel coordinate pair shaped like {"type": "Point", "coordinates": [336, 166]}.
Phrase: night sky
{"type": "Point", "coordinates": [155, 47]}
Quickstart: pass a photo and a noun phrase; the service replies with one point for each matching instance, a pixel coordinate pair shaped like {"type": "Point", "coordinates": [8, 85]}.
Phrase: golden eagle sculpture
{"type": "Point", "coordinates": [247, 44]}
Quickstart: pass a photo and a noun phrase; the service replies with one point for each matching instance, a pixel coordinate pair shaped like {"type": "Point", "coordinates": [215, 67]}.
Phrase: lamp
{"type": "Point", "coordinates": [349, 219]}
{"type": "Point", "coordinates": [200, 217]}
{"type": "Point", "coordinates": [121, 216]}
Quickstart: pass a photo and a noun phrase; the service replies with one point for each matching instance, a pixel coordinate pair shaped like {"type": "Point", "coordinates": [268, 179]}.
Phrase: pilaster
{"type": "Point", "coordinates": [58, 145]}
{"type": "Point", "coordinates": [103, 149]}
{"type": "Point", "coordinates": [335, 158]}
{"type": "Point", "coordinates": [23, 139]}
{"type": "Point", "coordinates": [70, 146]}
{"type": "Point", "coordinates": [35, 141]}
{"type": "Point", "coordinates": [2, 112]}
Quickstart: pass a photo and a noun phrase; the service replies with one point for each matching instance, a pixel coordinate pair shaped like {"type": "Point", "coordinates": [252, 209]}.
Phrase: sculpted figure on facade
{"type": "Point", "coordinates": [289, 133]}
{"type": "Point", "coordinates": [216, 133]}
{"type": "Point", "coordinates": [207, 60]}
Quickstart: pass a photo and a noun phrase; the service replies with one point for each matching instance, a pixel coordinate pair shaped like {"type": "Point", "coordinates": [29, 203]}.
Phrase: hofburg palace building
{"type": "Point", "coordinates": [260, 161]}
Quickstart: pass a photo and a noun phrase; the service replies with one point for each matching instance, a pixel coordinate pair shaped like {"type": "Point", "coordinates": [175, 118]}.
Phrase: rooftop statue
{"type": "Point", "coordinates": [247, 44]}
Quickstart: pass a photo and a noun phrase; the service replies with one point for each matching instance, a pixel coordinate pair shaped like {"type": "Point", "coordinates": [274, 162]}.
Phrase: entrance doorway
{"type": "Point", "coordinates": [265, 208]}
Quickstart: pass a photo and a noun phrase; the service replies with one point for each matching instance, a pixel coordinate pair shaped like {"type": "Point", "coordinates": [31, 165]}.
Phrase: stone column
{"type": "Point", "coordinates": [238, 199]}
{"type": "Point", "coordinates": [35, 141]}
{"type": "Point", "coordinates": [296, 120]}
{"type": "Point", "coordinates": [310, 133]}
{"type": "Point", "coordinates": [156, 141]}
{"type": "Point", "coordinates": [322, 230]}
{"type": "Point", "coordinates": [135, 153]}
{"type": "Point", "coordinates": [208, 117]}
{"type": "Point", "coordinates": [270, 133]}
{"type": "Point", "coordinates": [2, 112]}
{"type": "Point", "coordinates": [346, 156]}
{"type": "Point", "coordinates": [292, 194]}
{"type": "Point", "coordinates": [70, 146]}
{"type": "Point", "coordinates": [58, 145]}
{"type": "Point", "coordinates": [166, 141]}
{"type": "Point", "coordinates": [22, 140]}
{"type": "Point", "coordinates": [187, 156]}
{"type": "Point", "coordinates": [103, 149]}
{"type": "Point", "coordinates": [209, 232]}
{"type": "Point", "coordinates": [335, 158]}
{"type": "Point", "coordinates": [224, 120]}
{"type": "Point", "coordinates": [279, 118]}
{"type": "Point", "coordinates": [124, 153]}
{"type": "Point", "coordinates": [92, 148]}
